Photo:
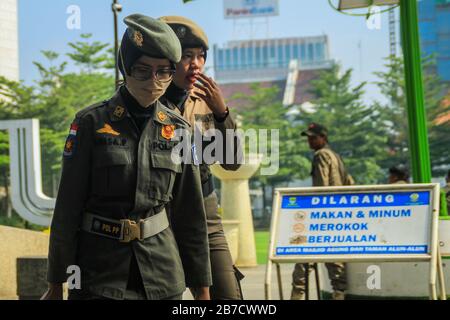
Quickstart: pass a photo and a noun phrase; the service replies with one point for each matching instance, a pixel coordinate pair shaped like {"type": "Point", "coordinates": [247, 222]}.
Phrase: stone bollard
{"type": "Point", "coordinates": [231, 230]}
{"type": "Point", "coordinates": [31, 277]}
{"type": "Point", "coordinates": [236, 205]}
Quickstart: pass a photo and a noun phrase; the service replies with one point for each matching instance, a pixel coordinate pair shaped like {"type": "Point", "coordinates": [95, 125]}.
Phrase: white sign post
{"type": "Point", "coordinates": [395, 223]}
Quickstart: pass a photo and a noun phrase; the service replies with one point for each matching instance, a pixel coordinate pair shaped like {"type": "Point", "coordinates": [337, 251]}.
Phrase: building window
{"type": "Point", "coordinates": [310, 52]}
{"type": "Point", "coordinates": [244, 62]}
{"type": "Point", "coordinates": [258, 57]}
{"type": "Point", "coordinates": [280, 56]}
{"type": "Point", "coordinates": [303, 53]}
{"type": "Point", "coordinates": [319, 56]}
{"type": "Point", "coordinates": [250, 57]}
{"type": "Point", "coordinates": [227, 59]}
{"type": "Point", "coordinates": [235, 59]}
{"type": "Point", "coordinates": [265, 59]}
{"type": "Point", "coordinates": [273, 56]}
{"type": "Point", "coordinates": [287, 50]}
{"type": "Point", "coordinates": [221, 62]}
{"type": "Point", "coordinates": [296, 52]}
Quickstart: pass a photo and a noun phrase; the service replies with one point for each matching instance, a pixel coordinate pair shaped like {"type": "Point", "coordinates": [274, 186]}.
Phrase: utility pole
{"type": "Point", "coordinates": [417, 121]}
{"type": "Point", "coordinates": [116, 8]}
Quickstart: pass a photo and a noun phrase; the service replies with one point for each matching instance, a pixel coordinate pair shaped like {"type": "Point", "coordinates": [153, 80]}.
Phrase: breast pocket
{"type": "Point", "coordinates": [163, 173]}
{"type": "Point", "coordinates": [112, 172]}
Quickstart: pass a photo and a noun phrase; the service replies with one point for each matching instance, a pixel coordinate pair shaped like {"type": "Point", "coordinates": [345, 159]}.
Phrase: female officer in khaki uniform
{"type": "Point", "coordinates": [117, 179]}
{"type": "Point", "coordinates": [202, 104]}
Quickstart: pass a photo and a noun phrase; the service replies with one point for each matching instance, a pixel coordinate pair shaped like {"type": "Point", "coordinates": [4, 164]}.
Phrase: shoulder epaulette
{"type": "Point", "coordinates": [177, 117]}
{"type": "Point", "coordinates": [86, 110]}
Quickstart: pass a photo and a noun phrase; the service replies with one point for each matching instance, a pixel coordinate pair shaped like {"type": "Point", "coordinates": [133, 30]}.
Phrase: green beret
{"type": "Point", "coordinates": [153, 37]}
{"type": "Point", "coordinates": [189, 33]}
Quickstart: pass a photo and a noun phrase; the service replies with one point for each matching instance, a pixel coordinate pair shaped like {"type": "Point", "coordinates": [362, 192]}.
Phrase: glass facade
{"type": "Point", "coordinates": [434, 25]}
{"type": "Point", "coordinates": [273, 53]}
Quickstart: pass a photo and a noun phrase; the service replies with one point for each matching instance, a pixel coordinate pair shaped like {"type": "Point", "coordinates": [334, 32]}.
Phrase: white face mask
{"type": "Point", "coordinates": [146, 92]}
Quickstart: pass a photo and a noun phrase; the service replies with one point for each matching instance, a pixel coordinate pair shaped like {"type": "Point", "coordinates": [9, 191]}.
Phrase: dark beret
{"type": "Point", "coordinates": [153, 37]}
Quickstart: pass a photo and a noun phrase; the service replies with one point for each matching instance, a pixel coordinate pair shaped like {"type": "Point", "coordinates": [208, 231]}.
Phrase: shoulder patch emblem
{"type": "Point", "coordinates": [71, 141]}
{"type": "Point", "coordinates": [107, 129]}
{"type": "Point", "coordinates": [168, 131]}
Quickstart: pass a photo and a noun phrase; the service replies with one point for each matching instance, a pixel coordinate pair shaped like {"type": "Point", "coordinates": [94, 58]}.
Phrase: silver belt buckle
{"type": "Point", "coordinates": [130, 230]}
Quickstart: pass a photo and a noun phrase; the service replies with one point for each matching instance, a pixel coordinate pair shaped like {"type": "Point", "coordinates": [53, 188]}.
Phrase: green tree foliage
{"type": "Point", "coordinates": [4, 170]}
{"type": "Point", "coordinates": [395, 120]}
{"type": "Point", "coordinates": [354, 128]}
{"type": "Point", "coordinates": [90, 56]}
{"type": "Point", "coordinates": [264, 111]}
{"type": "Point", "coordinates": [55, 98]}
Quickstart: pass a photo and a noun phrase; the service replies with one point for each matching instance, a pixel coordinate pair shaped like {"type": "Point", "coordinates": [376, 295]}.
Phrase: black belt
{"type": "Point", "coordinates": [208, 187]}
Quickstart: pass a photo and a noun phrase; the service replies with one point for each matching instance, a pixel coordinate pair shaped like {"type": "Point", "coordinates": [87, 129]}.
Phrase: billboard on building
{"type": "Point", "coordinates": [235, 9]}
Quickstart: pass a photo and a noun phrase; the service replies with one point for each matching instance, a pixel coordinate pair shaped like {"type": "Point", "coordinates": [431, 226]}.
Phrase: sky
{"type": "Point", "coordinates": [43, 26]}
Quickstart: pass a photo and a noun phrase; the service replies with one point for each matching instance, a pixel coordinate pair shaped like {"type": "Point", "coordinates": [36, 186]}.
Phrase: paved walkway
{"type": "Point", "coordinates": [253, 283]}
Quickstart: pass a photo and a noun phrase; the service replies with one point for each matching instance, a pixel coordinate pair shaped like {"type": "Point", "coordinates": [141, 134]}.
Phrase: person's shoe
{"type": "Point", "coordinates": [338, 295]}
{"type": "Point", "coordinates": [297, 294]}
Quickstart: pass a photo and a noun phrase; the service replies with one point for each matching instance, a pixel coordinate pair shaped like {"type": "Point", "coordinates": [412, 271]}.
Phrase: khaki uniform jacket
{"type": "Point", "coordinates": [202, 119]}
{"type": "Point", "coordinates": [328, 169]}
{"type": "Point", "coordinates": [121, 173]}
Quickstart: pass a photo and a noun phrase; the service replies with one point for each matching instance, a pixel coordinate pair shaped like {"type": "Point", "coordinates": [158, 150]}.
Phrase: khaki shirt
{"type": "Point", "coordinates": [328, 169]}
{"type": "Point", "coordinates": [113, 170]}
{"type": "Point", "coordinates": [197, 112]}
{"type": "Point", "coordinates": [199, 115]}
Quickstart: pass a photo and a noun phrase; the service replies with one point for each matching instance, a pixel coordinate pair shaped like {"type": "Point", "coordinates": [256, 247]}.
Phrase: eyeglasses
{"type": "Point", "coordinates": [143, 73]}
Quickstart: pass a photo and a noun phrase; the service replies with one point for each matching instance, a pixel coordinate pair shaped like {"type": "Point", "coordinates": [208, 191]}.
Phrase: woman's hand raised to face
{"type": "Point", "coordinates": [211, 94]}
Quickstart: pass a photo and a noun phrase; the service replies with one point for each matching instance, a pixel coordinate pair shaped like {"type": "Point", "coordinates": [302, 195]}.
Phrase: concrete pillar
{"type": "Point", "coordinates": [235, 203]}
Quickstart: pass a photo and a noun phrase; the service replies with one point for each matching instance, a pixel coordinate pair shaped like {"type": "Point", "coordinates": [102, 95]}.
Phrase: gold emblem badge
{"type": "Point", "coordinates": [108, 129]}
{"type": "Point", "coordinates": [138, 38]}
{"type": "Point", "coordinates": [168, 131]}
{"type": "Point", "coordinates": [162, 116]}
{"type": "Point", "coordinates": [118, 112]}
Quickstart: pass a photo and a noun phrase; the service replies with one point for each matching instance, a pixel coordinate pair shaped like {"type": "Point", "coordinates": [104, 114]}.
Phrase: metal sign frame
{"type": "Point", "coordinates": [432, 256]}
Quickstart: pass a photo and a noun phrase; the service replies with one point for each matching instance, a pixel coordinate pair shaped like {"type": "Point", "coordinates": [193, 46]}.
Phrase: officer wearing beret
{"type": "Point", "coordinates": [199, 100]}
{"type": "Point", "coordinates": [327, 170]}
{"type": "Point", "coordinates": [119, 182]}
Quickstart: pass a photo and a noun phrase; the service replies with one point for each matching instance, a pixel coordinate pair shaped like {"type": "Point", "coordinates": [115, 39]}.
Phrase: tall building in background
{"type": "Point", "coordinates": [434, 25]}
{"type": "Point", "coordinates": [9, 40]}
{"type": "Point", "coordinates": [268, 59]}
{"type": "Point", "coordinates": [288, 63]}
